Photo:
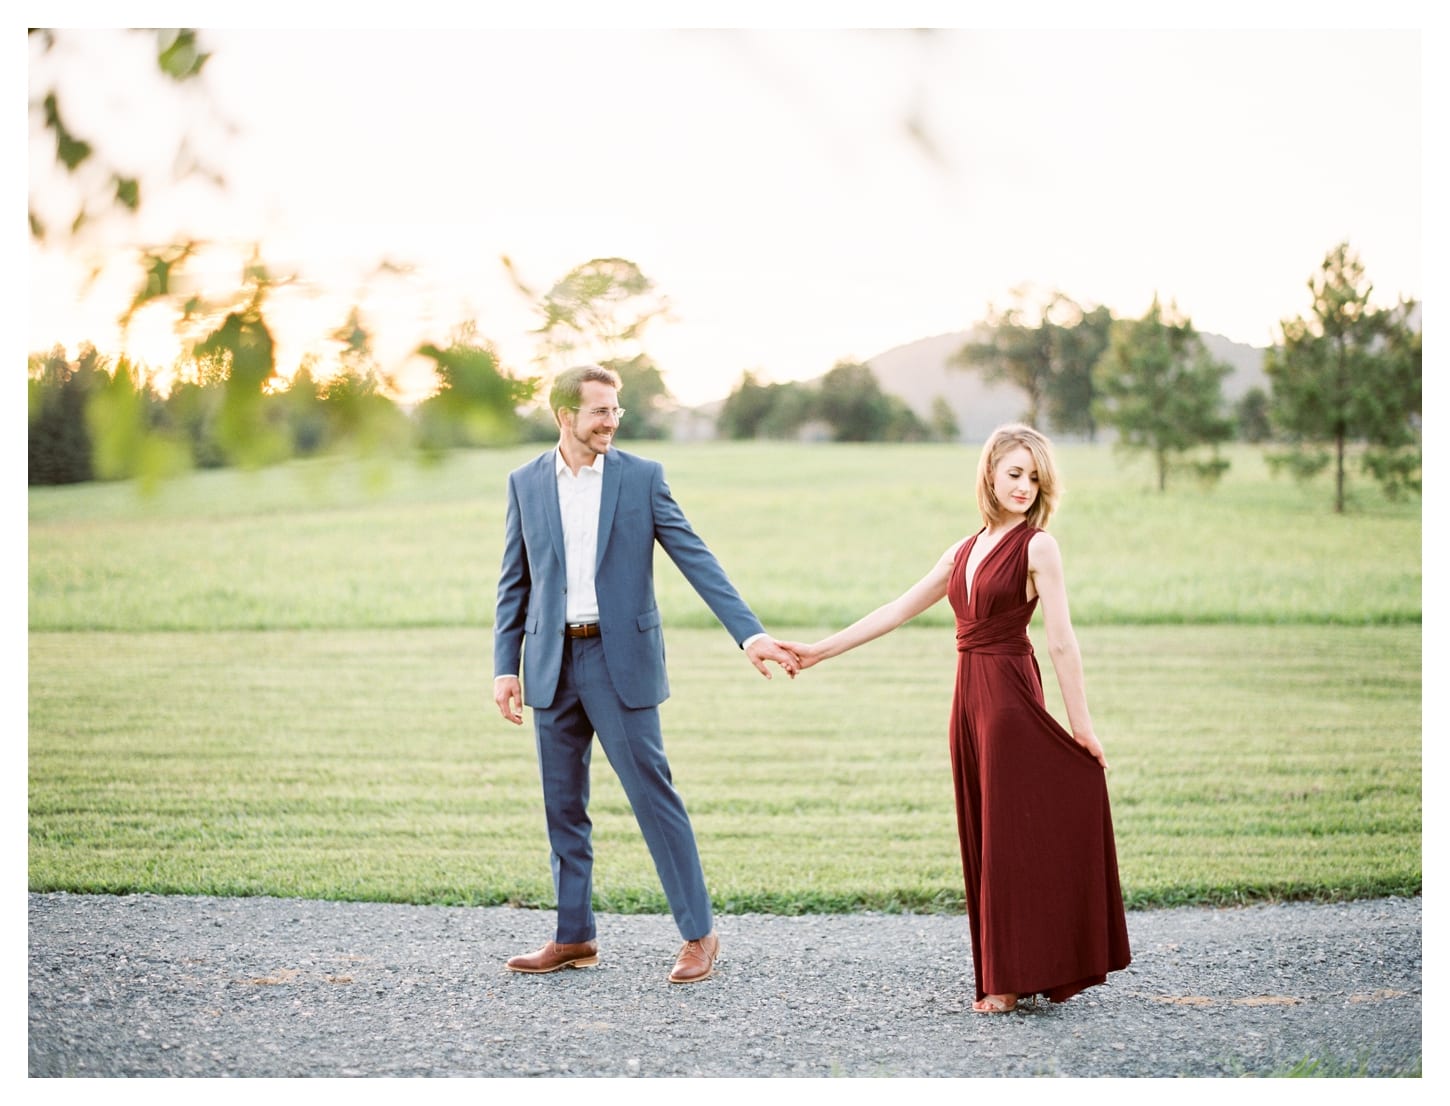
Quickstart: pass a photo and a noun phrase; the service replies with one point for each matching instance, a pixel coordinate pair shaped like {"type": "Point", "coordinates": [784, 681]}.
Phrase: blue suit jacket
{"type": "Point", "coordinates": [636, 509]}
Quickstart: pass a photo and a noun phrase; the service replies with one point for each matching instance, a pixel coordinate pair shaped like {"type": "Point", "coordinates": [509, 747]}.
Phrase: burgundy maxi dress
{"type": "Point", "coordinates": [1041, 869]}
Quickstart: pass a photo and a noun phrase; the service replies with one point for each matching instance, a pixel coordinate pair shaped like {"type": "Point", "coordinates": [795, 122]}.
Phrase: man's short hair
{"type": "Point", "coordinates": [568, 387]}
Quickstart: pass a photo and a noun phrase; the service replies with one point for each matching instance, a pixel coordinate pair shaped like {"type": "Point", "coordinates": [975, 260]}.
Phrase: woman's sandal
{"type": "Point", "coordinates": [995, 1004]}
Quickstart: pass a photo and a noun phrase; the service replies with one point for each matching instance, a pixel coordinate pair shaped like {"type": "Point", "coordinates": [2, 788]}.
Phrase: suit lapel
{"type": "Point", "coordinates": [608, 501]}
{"type": "Point", "coordinates": [549, 496]}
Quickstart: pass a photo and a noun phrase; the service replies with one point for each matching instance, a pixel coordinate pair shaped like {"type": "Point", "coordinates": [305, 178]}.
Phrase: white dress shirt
{"type": "Point", "coordinates": [579, 495]}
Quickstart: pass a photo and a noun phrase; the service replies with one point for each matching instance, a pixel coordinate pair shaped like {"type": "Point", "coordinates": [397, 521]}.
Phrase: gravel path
{"type": "Point", "coordinates": [180, 986]}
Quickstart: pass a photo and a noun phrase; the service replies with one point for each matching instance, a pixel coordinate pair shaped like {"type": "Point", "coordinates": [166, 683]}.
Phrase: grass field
{"type": "Point", "coordinates": [812, 535]}
{"type": "Point", "coordinates": [279, 683]}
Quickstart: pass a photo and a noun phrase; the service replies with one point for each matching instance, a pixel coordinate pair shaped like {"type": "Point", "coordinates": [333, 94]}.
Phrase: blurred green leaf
{"type": "Point", "coordinates": [243, 344]}
{"type": "Point", "coordinates": [179, 56]}
{"type": "Point", "coordinates": [128, 192]}
{"type": "Point", "coordinates": [125, 446]}
{"type": "Point", "coordinates": [603, 305]}
{"type": "Point", "coordinates": [247, 343]}
{"type": "Point", "coordinates": [70, 151]}
{"type": "Point", "coordinates": [477, 401]}
{"type": "Point", "coordinates": [159, 267]}
{"type": "Point", "coordinates": [255, 272]}
{"type": "Point", "coordinates": [353, 335]}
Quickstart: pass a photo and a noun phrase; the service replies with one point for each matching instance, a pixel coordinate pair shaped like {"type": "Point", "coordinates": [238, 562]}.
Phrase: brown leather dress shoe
{"type": "Point", "coordinates": [554, 956]}
{"type": "Point", "coordinates": [696, 960]}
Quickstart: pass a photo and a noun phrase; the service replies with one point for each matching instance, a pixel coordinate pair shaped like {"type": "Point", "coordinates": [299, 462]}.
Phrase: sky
{"type": "Point", "coordinates": [799, 196]}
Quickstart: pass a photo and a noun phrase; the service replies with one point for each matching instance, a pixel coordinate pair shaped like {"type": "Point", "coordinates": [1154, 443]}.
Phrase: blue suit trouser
{"type": "Point", "coordinates": [584, 706]}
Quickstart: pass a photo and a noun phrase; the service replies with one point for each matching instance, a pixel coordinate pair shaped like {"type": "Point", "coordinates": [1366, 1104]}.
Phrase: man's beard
{"type": "Point", "coordinates": [586, 440]}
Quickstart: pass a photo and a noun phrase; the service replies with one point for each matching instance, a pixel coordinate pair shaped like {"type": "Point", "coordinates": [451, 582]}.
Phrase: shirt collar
{"type": "Point", "coordinates": [561, 466]}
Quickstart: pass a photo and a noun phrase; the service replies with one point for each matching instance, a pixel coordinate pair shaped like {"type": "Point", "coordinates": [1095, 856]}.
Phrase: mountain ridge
{"type": "Point", "coordinates": [920, 371]}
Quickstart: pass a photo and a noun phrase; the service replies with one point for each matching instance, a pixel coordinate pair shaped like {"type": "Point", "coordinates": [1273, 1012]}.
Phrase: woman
{"type": "Point", "coordinates": [1041, 869]}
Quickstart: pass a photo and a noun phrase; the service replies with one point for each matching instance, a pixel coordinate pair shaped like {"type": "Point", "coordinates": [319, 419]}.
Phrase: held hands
{"type": "Point", "coordinates": [806, 655]}
{"type": "Point", "coordinates": [793, 656]}
{"type": "Point", "coordinates": [766, 648]}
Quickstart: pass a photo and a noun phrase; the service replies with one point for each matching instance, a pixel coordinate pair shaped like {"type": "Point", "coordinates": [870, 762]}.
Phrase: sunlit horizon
{"type": "Point", "coordinates": [800, 197]}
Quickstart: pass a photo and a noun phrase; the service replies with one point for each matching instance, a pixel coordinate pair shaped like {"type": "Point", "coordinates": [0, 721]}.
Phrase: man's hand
{"type": "Point", "coordinates": [807, 655]}
{"type": "Point", "coordinates": [764, 649]}
{"type": "Point", "coordinates": [509, 696]}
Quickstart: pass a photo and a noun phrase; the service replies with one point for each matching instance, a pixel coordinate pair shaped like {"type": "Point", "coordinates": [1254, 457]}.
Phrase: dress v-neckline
{"type": "Point", "coordinates": [968, 582]}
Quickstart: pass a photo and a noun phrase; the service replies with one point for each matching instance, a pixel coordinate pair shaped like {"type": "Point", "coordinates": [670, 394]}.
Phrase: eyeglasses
{"type": "Point", "coordinates": [601, 412]}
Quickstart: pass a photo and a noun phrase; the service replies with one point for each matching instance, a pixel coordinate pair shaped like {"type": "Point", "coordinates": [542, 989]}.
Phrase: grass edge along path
{"type": "Point", "coordinates": [1249, 762]}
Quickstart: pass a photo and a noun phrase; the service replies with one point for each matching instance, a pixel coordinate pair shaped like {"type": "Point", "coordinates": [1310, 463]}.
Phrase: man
{"type": "Point", "coordinates": [576, 598]}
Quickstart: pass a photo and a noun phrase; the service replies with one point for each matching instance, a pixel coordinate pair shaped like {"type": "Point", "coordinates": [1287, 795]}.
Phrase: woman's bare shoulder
{"type": "Point", "coordinates": [1041, 547]}
{"type": "Point", "coordinates": [956, 547]}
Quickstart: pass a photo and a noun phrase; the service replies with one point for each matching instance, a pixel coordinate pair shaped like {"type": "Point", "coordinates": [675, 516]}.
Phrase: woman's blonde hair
{"type": "Point", "coordinates": [1001, 442]}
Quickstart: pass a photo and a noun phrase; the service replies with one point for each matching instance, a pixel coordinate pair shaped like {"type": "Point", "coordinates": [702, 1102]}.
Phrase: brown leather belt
{"type": "Point", "coordinates": [582, 629]}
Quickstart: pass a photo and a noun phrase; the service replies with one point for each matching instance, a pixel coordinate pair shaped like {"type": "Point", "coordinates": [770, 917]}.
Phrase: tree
{"type": "Point", "coordinates": [848, 399]}
{"type": "Point", "coordinates": [59, 439]}
{"type": "Point", "coordinates": [1047, 350]}
{"type": "Point", "coordinates": [1079, 339]}
{"type": "Point", "coordinates": [904, 424]}
{"type": "Point", "coordinates": [191, 409]}
{"type": "Point", "coordinates": [1251, 414]}
{"type": "Point", "coordinates": [644, 394]}
{"type": "Point", "coordinates": [357, 400]}
{"type": "Point", "coordinates": [243, 347]}
{"type": "Point", "coordinates": [477, 400]}
{"type": "Point", "coordinates": [792, 406]}
{"type": "Point", "coordinates": [1349, 373]}
{"type": "Point", "coordinates": [1017, 351]}
{"type": "Point", "coordinates": [852, 401]}
{"type": "Point", "coordinates": [1393, 456]}
{"type": "Point", "coordinates": [129, 440]}
{"type": "Point", "coordinates": [745, 409]}
{"type": "Point", "coordinates": [944, 424]}
{"type": "Point", "coordinates": [1163, 393]}
{"type": "Point", "coordinates": [306, 413]}
{"type": "Point", "coordinates": [597, 311]}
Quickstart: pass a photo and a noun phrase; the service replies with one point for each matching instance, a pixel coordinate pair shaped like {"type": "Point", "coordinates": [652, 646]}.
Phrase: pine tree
{"type": "Point", "coordinates": [1163, 393]}
{"type": "Point", "coordinates": [1349, 373]}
